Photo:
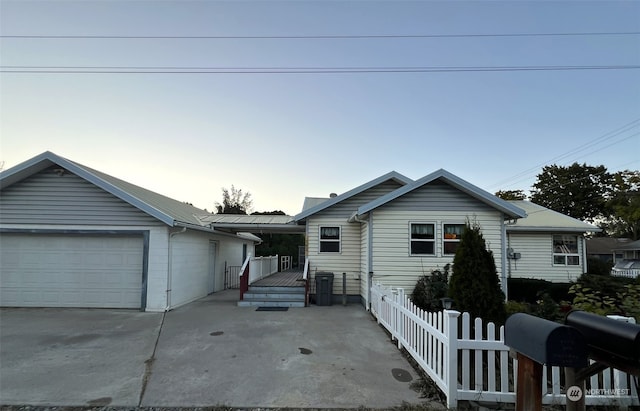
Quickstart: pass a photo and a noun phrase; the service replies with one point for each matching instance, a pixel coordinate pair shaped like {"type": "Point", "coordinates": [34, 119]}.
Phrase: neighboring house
{"type": "Point", "coordinates": [606, 248]}
{"type": "Point", "coordinates": [393, 229]}
{"type": "Point", "coordinates": [71, 236]}
{"type": "Point", "coordinates": [546, 244]}
{"type": "Point", "coordinates": [629, 264]}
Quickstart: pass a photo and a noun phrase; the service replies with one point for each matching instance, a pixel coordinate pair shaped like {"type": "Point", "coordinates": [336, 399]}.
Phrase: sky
{"type": "Point", "coordinates": [187, 97]}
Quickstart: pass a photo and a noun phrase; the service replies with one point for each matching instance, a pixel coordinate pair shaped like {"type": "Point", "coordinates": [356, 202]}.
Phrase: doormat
{"type": "Point", "coordinates": [272, 309]}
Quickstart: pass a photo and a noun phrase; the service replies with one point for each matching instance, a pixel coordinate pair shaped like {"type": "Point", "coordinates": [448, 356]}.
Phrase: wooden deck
{"type": "Point", "coordinates": [289, 278]}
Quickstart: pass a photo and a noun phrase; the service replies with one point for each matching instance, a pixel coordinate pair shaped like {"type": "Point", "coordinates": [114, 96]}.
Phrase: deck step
{"type": "Point", "coordinates": [267, 289]}
{"type": "Point", "coordinates": [251, 303]}
{"type": "Point", "coordinates": [274, 296]}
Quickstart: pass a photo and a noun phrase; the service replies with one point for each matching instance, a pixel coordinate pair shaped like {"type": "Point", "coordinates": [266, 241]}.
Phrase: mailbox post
{"type": "Point", "coordinates": [537, 341]}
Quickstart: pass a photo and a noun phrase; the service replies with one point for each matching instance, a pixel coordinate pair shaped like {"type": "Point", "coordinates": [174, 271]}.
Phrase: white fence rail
{"type": "Point", "coordinates": [630, 273]}
{"type": "Point", "coordinates": [469, 361]}
{"type": "Point", "coordinates": [262, 267]}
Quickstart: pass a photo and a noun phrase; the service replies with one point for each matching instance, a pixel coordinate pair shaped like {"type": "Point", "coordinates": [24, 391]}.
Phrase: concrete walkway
{"type": "Point", "coordinates": [209, 353]}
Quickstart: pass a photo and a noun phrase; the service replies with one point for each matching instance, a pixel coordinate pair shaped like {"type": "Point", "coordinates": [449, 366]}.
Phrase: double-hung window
{"type": "Point", "coordinates": [451, 238]}
{"type": "Point", "coordinates": [329, 239]}
{"type": "Point", "coordinates": [565, 250]}
{"type": "Point", "coordinates": [423, 239]}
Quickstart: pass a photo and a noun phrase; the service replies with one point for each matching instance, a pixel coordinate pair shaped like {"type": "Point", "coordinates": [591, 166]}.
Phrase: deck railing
{"type": "Point", "coordinates": [254, 269]}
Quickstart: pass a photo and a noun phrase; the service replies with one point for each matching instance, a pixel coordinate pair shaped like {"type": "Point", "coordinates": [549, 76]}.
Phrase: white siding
{"type": "Point", "coordinates": [392, 264]}
{"type": "Point", "coordinates": [536, 250]}
{"type": "Point", "coordinates": [346, 261]}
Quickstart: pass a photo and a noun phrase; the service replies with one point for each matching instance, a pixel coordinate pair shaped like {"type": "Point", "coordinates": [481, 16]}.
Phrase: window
{"type": "Point", "coordinates": [422, 239]}
{"type": "Point", "coordinates": [451, 240]}
{"type": "Point", "coordinates": [329, 239]}
{"type": "Point", "coordinates": [565, 250]}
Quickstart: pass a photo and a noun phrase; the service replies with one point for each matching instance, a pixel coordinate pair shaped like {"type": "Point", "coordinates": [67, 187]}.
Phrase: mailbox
{"type": "Point", "coordinates": [545, 342]}
{"type": "Point", "coordinates": [615, 342]}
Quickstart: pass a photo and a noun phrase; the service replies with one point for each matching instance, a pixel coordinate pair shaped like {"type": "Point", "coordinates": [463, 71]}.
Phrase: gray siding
{"type": "Point", "coordinates": [48, 198]}
{"type": "Point", "coordinates": [346, 208]}
{"type": "Point", "coordinates": [438, 196]}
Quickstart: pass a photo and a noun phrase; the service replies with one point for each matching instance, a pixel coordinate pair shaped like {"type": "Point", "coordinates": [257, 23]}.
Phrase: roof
{"type": "Point", "coordinates": [509, 209]}
{"type": "Point", "coordinates": [313, 201]}
{"type": "Point", "coordinates": [540, 218]}
{"type": "Point", "coordinates": [319, 206]}
{"type": "Point", "coordinates": [605, 245]}
{"type": "Point", "coordinates": [271, 223]}
{"type": "Point", "coordinates": [169, 211]}
{"type": "Point", "coordinates": [635, 245]}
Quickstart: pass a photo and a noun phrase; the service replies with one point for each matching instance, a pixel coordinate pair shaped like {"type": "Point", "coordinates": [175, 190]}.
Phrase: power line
{"type": "Point", "coordinates": [292, 70]}
{"type": "Point", "coordinates": [322, 37]}
{"type": "Point", "coordinates": [607, 136]}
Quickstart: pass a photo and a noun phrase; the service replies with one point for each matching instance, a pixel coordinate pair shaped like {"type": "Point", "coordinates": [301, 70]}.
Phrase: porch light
{"type": "Point", "coordinates": [446, 303]}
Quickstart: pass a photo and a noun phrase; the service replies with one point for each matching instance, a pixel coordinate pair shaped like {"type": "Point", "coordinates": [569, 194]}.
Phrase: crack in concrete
{"type": "Point", "coordinates": [148, 364]}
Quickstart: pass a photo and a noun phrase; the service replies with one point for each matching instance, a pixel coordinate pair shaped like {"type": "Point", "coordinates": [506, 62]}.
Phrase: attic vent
{"type": "Point", "coordinates": [333, 195]}
{"type": "Point", "coordinates": [59, 171]}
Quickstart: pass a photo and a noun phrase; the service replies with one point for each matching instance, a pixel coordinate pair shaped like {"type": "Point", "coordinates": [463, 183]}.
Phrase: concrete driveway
{"type": "Point", "coordinates": [208, 353]}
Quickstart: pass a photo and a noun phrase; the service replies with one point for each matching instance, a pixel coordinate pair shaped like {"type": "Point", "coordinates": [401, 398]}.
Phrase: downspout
{"type": "Point", "coordinates": [585, 269]}
{"type": "Point", "coordinates": [170, 268]}
{"type": "Point", "coordinates": [369, 221]}
{"type": "Point", "coordinates": [503, 258]}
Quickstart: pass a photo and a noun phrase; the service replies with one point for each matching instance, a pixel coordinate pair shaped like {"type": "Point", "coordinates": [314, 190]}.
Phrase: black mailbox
{"type": "Point", "coordinates": [545, 342]}
{"type": "Point", "coordinates": [615, 342]}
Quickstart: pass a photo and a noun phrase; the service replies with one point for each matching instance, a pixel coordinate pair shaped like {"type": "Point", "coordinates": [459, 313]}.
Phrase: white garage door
{"type": "Point", "coordinates": [66, 270]}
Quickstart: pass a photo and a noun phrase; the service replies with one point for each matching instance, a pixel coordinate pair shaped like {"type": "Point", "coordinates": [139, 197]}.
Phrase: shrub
{"type": "Point", "coordinates": [431, 288]}
{"type": "Point", "coordinates": [526, 289]}
{"type": "Point", "coordinates": [596, 266]}
{"type": "Point", "coordinates": [474, 284]}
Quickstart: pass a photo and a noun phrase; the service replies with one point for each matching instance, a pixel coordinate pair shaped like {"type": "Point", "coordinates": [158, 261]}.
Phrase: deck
{"type": "Point", "coordinates": [289, 278]}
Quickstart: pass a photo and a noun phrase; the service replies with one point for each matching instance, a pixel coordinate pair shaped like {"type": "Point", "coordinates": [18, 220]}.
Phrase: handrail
{"type": "Point", "coordinates": [244, 276]}
{"type": "Point", "coordinates": [305, 278]}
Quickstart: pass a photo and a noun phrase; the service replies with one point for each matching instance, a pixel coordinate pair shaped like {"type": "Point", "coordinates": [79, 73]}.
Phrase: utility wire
{"type": "Point", "coordinates": [607, 136]}
{"type": "Point", "coordinates": [324, 37]}
{"type": "Point", "coordinates": [295, 70]}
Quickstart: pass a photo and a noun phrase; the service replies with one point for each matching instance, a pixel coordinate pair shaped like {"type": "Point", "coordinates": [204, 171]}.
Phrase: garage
{"type": "Point", "coordinates": [71, 270]}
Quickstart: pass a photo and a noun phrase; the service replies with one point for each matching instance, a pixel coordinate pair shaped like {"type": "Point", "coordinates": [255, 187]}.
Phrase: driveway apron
{"type": "Point", "coordinates": [212, 352]}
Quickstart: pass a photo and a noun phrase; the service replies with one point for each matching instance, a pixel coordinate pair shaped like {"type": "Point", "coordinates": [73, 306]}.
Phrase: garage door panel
{"type": "Point", "coordinates": [39, 270]}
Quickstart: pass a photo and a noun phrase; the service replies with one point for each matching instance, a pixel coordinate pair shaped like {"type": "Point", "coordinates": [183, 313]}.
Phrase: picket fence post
{"type": "Point", "coordinates": [451, 358]}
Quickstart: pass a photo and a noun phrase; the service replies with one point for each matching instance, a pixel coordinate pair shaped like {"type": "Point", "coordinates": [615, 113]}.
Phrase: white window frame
{"type": "Point", "coordinates": [433, 241]}
{"type": "Point", "coordinates": [331, 240]}
{"type": "Point", "coordinates": [565, 253]}
{"type": "Point", "coordinates": [450, 240]}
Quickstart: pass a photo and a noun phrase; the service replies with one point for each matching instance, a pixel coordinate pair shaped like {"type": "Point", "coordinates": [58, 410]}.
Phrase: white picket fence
{"type": "Point", "coordinates": [469, 361]}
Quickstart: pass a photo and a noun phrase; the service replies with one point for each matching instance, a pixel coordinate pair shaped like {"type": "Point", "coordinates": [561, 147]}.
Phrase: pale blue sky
{"type": "Point", "coordinates": [286, 136]}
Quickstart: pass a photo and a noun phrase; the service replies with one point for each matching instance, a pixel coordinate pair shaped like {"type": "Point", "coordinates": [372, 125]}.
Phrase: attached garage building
{"type": "Point", "coordinates": [71, 236]}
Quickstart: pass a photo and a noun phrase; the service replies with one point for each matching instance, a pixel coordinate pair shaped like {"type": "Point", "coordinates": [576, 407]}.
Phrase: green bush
{"type": "Point", "coordinates": [474, 284]}
{"type": "Point", "coordinates": [606, 295]}
{"type": "Point", "coordinates": [431, 288]}
{"type": "Point", "coordinates": [530, 289]}
{"type": "Point", "coordinates": [596, 266]}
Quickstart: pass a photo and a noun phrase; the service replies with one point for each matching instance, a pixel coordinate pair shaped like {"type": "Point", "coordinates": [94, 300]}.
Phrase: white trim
{"type": "Point", "coordinates": [320, 240]}
{"type": "Point", "coordinates": [434, 241]}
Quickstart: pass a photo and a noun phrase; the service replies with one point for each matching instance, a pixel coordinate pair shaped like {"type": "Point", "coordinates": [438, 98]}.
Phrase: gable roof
{"type": "Point", "coordinates": [455, 181]}
{"type": "Point", "coordinates": [540, 218]}
{"type": "Point", "coordinates": [393, 175]}
{"type": "Point", "coordinates": [169, 211]}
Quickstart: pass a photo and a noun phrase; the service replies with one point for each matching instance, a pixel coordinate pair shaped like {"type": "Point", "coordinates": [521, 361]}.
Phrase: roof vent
{"type": "Point", "coordinates": [333, 195]}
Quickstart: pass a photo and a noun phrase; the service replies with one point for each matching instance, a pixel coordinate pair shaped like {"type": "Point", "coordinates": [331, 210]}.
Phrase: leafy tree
{"type": "Point", "coordinates": [474, 284]}
{"type": "Point", "coordinates": [280, 244]}
{"type": "Point", "coordinates": [579, 191]}
{"type": "Point", "coordinates": [234, 201]}
{"type": "Point", "coordinates": [623, 205]}
{"type": "Point", "coordinates": [511, 194]}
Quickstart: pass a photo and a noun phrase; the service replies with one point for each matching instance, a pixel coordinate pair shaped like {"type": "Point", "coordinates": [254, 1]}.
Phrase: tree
{"type": "Point", "coordinates": [234, 201]}
{"type": "Point", "coordinates": [623, 205]}
{"type": "Point", "coordinates": [579, 191]}
{"type": "Point", "coordinates": [511, 194]}
{"type": "Point", "coordinates": [280, 244]}
{"type": "Point", "coordinates": [474, 284]}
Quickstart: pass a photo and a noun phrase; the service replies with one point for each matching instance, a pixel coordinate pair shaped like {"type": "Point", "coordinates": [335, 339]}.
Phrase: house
{"type": "Point", "coordinates": [393, 230]}
{"type": "Point", "coordinates": [629, 263]}
{"type": "Point", "coordinates": [71, 236]}
{"type": "Point", "coordinates": [606, 249]}
{"type": "Point", "coordinates": [546, 245]}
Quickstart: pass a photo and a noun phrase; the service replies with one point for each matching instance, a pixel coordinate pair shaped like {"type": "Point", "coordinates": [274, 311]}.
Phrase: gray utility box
{"type": "Point", "coordinates": [324, 288]}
